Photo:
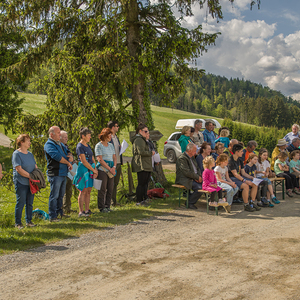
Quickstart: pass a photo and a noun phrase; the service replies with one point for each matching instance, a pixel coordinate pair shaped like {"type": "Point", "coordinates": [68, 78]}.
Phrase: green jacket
{"type": "Point", "coordinates": [185, 173]}
{"type": "Point", "coordinates": [183, 142]}
{"type": "Point", "coordinates": [142, 156]}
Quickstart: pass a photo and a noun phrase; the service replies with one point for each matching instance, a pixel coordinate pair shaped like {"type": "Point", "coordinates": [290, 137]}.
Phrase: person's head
{"type": "Point", "coordinates": [205, 149]}
{"type": "Point", "coordinates": [191, 149]}
{"type": "Point", "coordinates": [237, 149]}
{"type": "Point", "coordinates": [295, 128]}
{"type": "Point", "coordinates": [54, 133]}
{"type": "Point", "coordinates": [64, 137]}
{"type": "Point", "coordinates": [198, 124]}
{"type": "Point", "coordinates": [295, 155]}
{"type": "Point", "coordinates": [220, 129]}
{"type": "Point", "coordinates": [209, 125]}
{"type": "Point", "coordinates": [85, 134]}
{"type": "Point", "coordinates": [242, 144]}
{"type": "Point", "coordinates": [262, 155]}
{"type": "Point", "coordinates": [224, 133]}
{"type": "Point", "coordinates": [208, 162]}
{"type": "Point", "coordinates": [282, 156]}
{"type": "Point", "coordinates": [23, 140]}
{"type": "Point", "coordinates": [222, 160]}
{"type": "Point", "coordinates": [282, 144]}
{"type": "Point", "coordinates": [186, 130]}
{"type": "Point", "coordinates": [252, 158]}
{"type": "Point", "coordinates": [232, 143]}
{"type": "Point", "coordinates": [114, 126]}
{"type": "Point", "coordinates": [142, 130]}
{"type": "Point", "coordinates": [251, 146]}
{"type": "Point", "coordinates": [105, 135]}
{"type": "Point", "coordinates": [219, 147]}
{"type": "Point", "coordinates": [296, 142]}
{"type": "Point", "coordinates": [192, 131]}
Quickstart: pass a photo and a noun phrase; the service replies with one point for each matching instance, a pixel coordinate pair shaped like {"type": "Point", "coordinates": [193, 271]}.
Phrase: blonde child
{"type": "Point", "coordinates": [224, 138]}
{"type": "Point", "coordinates": [263, 171]}
{"type": "Point", "coordinates": [282, 170]}
{"type": "Point", "coordinates": [210, 182]}
{"type": "Point", "coordinates": [224, 181]}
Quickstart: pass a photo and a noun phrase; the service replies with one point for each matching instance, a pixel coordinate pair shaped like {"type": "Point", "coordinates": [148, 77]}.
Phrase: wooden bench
{"type": "Point", "coordinates": [207, 201]}
{"type": "Point", "coordinates": [181, 188]}
{"type": "Point", "coordinates": [278, 181]}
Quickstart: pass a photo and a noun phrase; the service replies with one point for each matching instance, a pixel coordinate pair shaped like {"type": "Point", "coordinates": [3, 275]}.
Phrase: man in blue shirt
{"type": "Point", "coordinates": [58, 162]}
{"type": "Point", "coordinates": [209, 135]}
{"type": "Point", "coordinates": [294, 134]}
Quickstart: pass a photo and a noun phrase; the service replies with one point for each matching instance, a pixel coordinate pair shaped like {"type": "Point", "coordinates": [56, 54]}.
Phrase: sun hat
{"type": "Point", "coordinates": [282, 142]}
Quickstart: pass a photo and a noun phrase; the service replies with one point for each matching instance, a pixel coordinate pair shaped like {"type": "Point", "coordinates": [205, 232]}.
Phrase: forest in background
{"type": "Point", "coordinates": [237, 99]}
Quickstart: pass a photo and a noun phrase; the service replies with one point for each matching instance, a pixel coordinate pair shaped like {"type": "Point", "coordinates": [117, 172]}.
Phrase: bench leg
{"type": "Point", "coordinates": [216, 208]}
{"type": "Point", "coordinates": [207, 206]}
{"type": "Point", "coordinates": [283, 187]}
{"type": "Point", "coordinates": [275, 188]}
{"type": "Point", "coordinates": [179, 196]}
{"type": "Point", "coordinates": [187, 198]}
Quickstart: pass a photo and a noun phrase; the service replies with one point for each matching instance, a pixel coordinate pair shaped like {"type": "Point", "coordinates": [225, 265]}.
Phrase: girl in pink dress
{"type": "Point", "coordinates": [210, 182]}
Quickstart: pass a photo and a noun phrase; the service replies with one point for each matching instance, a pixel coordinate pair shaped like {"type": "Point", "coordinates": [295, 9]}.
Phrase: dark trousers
{"type": "Point", "coordinates": [143, 180]}
{"type": "Point", "coordinates": [116, 182]}
{"type": "Point", "coordinates": [105, 192]}
{"type": "Point", "coordinates": [214, 194]}
{"type": "Point", "coordinates": [67, 196]}
{"type": "Point", "coordinates": [291, 180]}
{"type": "Point", "coordinates": [193, 198]}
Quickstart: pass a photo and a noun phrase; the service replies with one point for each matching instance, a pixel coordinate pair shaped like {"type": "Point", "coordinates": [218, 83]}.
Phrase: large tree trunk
{"type": "Point", "coordinates": [133, 44]}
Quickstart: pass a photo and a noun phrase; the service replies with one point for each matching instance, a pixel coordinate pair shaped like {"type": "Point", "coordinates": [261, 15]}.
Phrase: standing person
{"type": "Point", "coordinates": [209, 135]}
{"type": "Point", "coordinates": [86, 172]}
{"type": "Point", "coordinates": [107, 164]}
{"type": "Point", "coordinates": [204, 151]}
{"type": "Point", "coordinates": [114, 126]}
{"type": "Point", "coordinates": [141, 162]}
{"type": "Point", "coordinates": [291, 135]}
{"type": "Point", "coordinates": [198, 136]}
{"type": "Point", "coordinates": [58, 162]}
{"type": "Point", "coordinates": [23, 164]}
{"type": "Point", "coordinates": [185, 138]}
{"type": "Point", "coordinates": [68, 194]}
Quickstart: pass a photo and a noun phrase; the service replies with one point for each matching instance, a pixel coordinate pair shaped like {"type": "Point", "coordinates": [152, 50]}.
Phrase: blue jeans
{"type": "Point", "coordinates": [57, 192]}
{"type": "Point", "coordinates": [230, 191]}
{"type": "Point", "coordinates": [196, 195]}
{"type": "Point", "coordinates": [24, 197]}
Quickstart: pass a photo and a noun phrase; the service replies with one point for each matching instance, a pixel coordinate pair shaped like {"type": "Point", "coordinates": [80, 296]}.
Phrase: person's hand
{"type": "Point", "coordinates": [248, 182]}
{"type": "Point", "coordinates": [71, 158]}
{"type": "Point", "coordinates": [153, 152]}
{"type": "Point", "coordinates": [112, 171]}
{"type": "Point", "coordinates": [233, 185]}
{"type": "Point", "coordinates": [70, 167]}
{"type": "Point", "coordinates": [200, 179]}
{"type": "Point", "coordinates": [95, 171]}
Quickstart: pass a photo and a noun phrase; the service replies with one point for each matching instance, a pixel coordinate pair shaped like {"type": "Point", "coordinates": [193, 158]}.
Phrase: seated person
{"type": "Point", "coordinates": [223, 138]}
{"type": "Point", "coordinates": [204, 151]}
{"type": "Point", "coordinates": [249, 149]}
{"type": "Point", "coordinates": [282, 170]}
{"type": "Point", "coordinates": [228, 151]}
{"type": "Point", "coordinates": [293, 134]}
{"type": "Point", "coordinates": [295, 163]}
{"type": "Point", "coordinates": [280, 147]}
{"type": "Point", "coordinates": [188, 174]}
{"type": "Point", "coordinates": [238, 175]}
{"type": "Point", "coordinates": [294, 145]}
{"type": "Point", "coordinates": [219, 147]}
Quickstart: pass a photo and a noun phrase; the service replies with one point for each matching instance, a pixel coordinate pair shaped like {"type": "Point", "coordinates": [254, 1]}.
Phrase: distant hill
{"type": "Point", "coordinates": [237, 99]}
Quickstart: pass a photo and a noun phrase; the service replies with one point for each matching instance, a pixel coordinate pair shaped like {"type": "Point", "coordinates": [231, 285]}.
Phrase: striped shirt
{"type": "Point", "coordinates": [106, 152]}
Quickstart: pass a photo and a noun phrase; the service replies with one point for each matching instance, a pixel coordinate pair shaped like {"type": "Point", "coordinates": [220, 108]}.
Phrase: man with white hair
{"type": "Point", "coordinates": [58, 162]}
{"type": "Point", "coordinates": [294, 134]}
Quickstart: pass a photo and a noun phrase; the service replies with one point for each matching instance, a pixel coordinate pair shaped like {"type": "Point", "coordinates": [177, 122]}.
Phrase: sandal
{"type": "Point", "coordinates": [215, 204]}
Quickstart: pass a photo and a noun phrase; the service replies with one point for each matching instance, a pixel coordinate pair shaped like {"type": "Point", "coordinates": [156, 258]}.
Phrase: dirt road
{"type": "Point", "coordinates": [182, 255]}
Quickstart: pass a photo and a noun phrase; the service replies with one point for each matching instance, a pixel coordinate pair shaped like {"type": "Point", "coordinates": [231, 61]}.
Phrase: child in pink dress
{"type": "Point", "coordinates": [210, 182]}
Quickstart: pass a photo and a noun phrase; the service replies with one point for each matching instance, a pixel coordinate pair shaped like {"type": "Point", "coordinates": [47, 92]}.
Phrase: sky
{"type": "Point", "coordinates": [261, 45]}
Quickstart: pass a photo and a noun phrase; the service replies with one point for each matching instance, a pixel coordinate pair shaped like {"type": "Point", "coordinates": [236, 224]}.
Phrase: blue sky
{"type": "Point", "coordinates": [260, 45]}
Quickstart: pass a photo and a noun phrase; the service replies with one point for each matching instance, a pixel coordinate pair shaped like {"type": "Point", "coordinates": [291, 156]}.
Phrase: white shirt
{"type": "Point", "coordinates": [222, 171]}
{"type": "Point", "coordinates": [262, 167]}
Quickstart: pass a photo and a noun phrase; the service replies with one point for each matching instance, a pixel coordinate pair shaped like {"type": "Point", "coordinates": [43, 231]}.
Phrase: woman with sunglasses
{"type": "Point", "coordinates": [141, 162]}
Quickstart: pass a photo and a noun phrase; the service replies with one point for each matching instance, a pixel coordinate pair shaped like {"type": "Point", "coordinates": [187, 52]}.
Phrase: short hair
{"type": "Point", "coordinates": [224, 127]}
{"type": "Point", "coordinates": [192, 129]}
{"type": "Point", "coordinates": [221, 158]}
{"type": "Point", "coordinates": [233, 140]}
{"type": "Point", "coordinates": [251, 156]}
{"type": "Point", "coordinates": [296, 125]}
{"type": "Point", "coordinates": [204, 146]}
{"type": "Point", "coordinates": [295, 140]}
{"type": "Point", "coordinates": [111, 124]}
{"type": "Point", "coordinates": [282, 155]}
{"type": "Point", "coordinates": [21, 139]}
{"type": "Point", "coordinates": [208, 122]}
{"type": "Point", "coordinates": [141, 126]}
{"type": "Point", "coordinates": [185, 129]}
{"type": "Point", "coordinates": [293, 154]}
{"type": "Point", "coordinates": [104, 134]}
{"type": "Point", "coordinates": [197, 122]}
{"type": "Point", "coordinates": [218, 144]}
{"type": "Point", "coordinates": [260, 153]}
{"type": "Point", "coordinates": [237, 147]}
{"type": "Point", "coordinates": [224, 133]}
{"type": "Point", "coordinates": [189, 147]}
{"type": "Point", "coordinates": [84, 131]}
{"type": "Point", "coordinates": [208, 160]}
{"type": "Point", "coordinates": [63, 132]}
{"type": "Point", "coordinates": [252, 144]}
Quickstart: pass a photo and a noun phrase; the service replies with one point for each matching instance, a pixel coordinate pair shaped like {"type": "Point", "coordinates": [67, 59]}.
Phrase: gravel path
{"type": "Point", "coordinates": [184, 254]}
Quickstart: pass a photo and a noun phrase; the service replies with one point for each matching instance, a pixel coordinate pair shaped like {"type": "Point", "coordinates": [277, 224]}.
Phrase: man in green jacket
{"type": "Point", "coordinates": [189, 174]}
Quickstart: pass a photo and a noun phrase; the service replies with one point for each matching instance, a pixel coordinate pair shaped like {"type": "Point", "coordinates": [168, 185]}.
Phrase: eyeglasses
{"type": "Point", "coordinates": [146, 131]}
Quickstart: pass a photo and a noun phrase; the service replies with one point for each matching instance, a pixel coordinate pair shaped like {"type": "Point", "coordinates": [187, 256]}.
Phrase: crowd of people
{"type": "Point", "coordinates": [215, 164]}
{"type": "Point", "coordinates": [208, 162]}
